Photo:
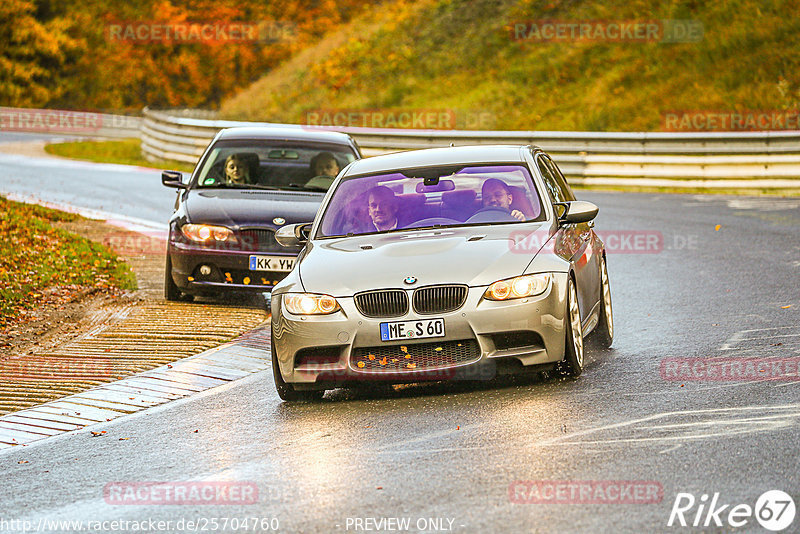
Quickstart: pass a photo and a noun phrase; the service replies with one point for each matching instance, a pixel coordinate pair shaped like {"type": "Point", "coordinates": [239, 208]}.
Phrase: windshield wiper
{"type": "Point", "coordinates": [429, 227]}
{"type": "Point", "coordinates": [224, 185]}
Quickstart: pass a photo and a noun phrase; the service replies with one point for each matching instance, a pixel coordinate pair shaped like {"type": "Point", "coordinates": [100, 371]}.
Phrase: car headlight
{"type": "Point", "coordinates": [519, 287]}
{"type": "Point", "coordinates": [310, 304]}
{"type": "Point", "coordinates": [207, 233]}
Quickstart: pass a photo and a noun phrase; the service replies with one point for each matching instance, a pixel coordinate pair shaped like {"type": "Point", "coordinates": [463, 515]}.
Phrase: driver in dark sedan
{"type": "Point", "coordinates": [496, 194]}
{"type": "Point", "coordinates": [324, 169]}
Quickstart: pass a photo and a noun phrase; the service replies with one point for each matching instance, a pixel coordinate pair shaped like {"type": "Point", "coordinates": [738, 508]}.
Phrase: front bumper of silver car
{"type": "Point", "coordinates": [346, 346]}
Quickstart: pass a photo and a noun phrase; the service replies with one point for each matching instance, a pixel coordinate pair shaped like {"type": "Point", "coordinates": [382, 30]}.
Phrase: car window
{"type": "Point", "coordinates": [431, 197]}
{"type": "Point", "coordinates": [566, 190]}
{"type": "Point", "coordinates": [556, 194]}
{"type": "Point", "coordinates": [273, 165]}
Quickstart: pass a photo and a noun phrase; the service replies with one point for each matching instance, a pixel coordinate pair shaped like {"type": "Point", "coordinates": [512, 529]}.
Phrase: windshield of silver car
{"type": "Point", "coordinates": [255, 164]}
{"type": "Point", "coordinates": [431, 197]}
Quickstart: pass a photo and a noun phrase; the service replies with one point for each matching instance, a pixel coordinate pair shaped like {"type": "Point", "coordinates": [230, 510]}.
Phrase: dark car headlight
{"type": "Point", "coordinates": [516, 288]}
{"type": "Point", "coordinates": [310, 303]}
{"type": "Point", "coordinates": [207, 233]}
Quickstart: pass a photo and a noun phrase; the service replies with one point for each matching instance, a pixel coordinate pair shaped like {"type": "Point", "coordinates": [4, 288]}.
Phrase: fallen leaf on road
{"type": "Point", "coordinates": [23, 462]}
{"type": "Point", "coordinates": [95, 434]}
{"type": "Point", "coordinates": [717, 227]}
{"type": "Point", "coordinates": [786, 307]}
{"type": "Point", "coordinates": [124, 439]}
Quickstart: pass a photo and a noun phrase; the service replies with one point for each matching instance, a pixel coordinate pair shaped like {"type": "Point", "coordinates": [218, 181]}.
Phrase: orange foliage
{"type": "Point", "coordinates": [89, 67]}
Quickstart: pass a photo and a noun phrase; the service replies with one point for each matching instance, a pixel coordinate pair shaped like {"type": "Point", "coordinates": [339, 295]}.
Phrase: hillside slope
{"type": "Point", "coordinates": [461, 57]}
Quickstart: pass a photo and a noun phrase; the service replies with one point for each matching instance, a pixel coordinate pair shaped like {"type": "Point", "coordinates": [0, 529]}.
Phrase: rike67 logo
{"type": "Point", "coordinates": [774, 510]}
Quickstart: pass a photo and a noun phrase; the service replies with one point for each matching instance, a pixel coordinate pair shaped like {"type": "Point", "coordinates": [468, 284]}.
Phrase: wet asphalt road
{"type": "Point", "coordinates": [445, 456]}
{"type": "Point", "coordinates": [133, 192]}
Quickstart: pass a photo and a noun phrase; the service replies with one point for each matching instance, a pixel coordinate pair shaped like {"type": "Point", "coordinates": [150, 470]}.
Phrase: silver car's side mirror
{"type": "Point", "coordinates": [293, 235]}
{"type": "Point", "coordinates": [579, 211]}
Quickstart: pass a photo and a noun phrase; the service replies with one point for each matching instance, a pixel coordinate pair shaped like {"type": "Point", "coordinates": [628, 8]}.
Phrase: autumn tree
{"type": "Point", "coordinates": [32, 55]}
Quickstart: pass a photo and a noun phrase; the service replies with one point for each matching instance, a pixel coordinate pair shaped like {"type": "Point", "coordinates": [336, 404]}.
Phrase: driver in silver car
{"type": "Point", "coordinates": [496, 194]}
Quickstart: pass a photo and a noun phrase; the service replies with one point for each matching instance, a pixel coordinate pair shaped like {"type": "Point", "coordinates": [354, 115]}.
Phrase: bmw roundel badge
{"type": "Point", "coordinates": [279, 221]}
{"type": "Point", "coordinates": [410, 279]}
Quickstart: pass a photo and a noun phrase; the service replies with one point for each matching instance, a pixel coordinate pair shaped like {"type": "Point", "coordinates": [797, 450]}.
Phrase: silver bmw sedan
{"type": "Point", "coordinates": [440, 264]}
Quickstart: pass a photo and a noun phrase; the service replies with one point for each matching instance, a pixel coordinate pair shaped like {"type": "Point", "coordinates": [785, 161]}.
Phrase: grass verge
{"type": "Point", "coordinates": [123, 152]}
{"type": "Point", "coordinates": [40, 263]}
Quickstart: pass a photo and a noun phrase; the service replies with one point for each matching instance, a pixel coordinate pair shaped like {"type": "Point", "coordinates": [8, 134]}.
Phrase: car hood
{"type": "Point", "coordinates": [243, 207]}
{"type": "Point", "coordinates": [475, 256]}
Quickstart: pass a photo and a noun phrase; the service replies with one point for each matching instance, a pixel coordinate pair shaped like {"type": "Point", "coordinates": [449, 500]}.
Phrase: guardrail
{"type": "Point", "coordinates": [719, 159]}
{"type": "Point", "coordinates": [67, 122]}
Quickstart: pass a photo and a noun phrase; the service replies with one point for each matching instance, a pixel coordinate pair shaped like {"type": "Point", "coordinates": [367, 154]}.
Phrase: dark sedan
{"type": "Point", "coordinates": [248, 183]}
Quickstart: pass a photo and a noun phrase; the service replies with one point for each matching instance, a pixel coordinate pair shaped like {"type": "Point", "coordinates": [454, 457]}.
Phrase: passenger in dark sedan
{"type": "Point", "coordinates": [237, 170]}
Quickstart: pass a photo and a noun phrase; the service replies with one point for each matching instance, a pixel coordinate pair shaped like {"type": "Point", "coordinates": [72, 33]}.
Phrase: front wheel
{"type": "Point", "coordinates": [572, 364]}
{"type": "Point", "coordinates": [171, 291]}
{"type": "Point", "coordinates": [286, 391]}
{"type": "Point", "coordinates": [604, 333]}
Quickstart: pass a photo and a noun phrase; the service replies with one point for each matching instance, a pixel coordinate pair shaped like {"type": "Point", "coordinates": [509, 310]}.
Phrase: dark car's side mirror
{"type": "Point", "coordinates": [293, 235]}
{"type": "Point", "coordinates": [579, 211]}
{"type": "Point", "coordinates": [173, 179]}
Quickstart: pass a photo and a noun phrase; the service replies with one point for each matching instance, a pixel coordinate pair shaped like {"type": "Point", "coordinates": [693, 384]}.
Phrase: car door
{"type": "Point", "coordinates": [567, 241]}
{"type": "Point", "coordinates": [587, 260]}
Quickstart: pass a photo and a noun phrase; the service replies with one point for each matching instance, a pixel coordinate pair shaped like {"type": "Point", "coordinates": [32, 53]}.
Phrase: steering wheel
{"type": "Point", "coordinates": [491, 214]}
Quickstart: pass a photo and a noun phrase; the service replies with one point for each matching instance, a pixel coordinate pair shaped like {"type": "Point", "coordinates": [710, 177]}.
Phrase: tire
{"type": "Point", "coordinates": [171, 291]}
{"type": "Point", "coordinates": [286, 391]}
{"type": "Point", "coordinates": [572, 364]}
{"type": "Point", "coordinates": [603, 334]}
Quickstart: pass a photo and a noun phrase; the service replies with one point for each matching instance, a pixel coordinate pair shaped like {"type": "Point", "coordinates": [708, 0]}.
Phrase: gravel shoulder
{"type": "Point", "coordinates": [66, 347]}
